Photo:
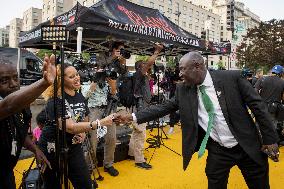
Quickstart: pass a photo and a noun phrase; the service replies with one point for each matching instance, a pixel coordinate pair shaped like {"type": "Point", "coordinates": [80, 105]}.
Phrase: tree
{"type": "Point", "coordinates": [221, 65]}
{"type": "Point", "coordinates": [263, 46]}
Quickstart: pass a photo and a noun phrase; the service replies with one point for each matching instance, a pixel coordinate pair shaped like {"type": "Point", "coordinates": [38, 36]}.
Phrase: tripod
{"type": "Point", "coordinates": [91, 154]}
{"type": "Point", "coordinates": [157, 141]}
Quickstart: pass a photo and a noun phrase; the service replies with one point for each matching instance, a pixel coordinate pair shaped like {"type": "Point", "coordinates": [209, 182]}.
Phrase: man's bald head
{"type": "Point", "coordinates": [193, 57]}
{"type": "Point", "coordinates": [192, 68]}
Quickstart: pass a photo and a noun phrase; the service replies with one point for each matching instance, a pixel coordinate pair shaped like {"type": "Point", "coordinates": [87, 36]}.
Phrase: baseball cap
{"type": "Point", "coordinates": [278, 69]}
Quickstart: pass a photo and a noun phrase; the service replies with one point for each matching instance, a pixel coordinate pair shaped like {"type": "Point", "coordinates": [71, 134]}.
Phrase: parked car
{"type": "Point", "coordinates": [28, 64]}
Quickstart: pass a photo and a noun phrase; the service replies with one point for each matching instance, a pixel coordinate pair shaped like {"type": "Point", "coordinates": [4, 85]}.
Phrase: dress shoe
{"type": "Point", "coordinates": [111, 170]}
{"type": "Point", "coordinates": [143, 165]}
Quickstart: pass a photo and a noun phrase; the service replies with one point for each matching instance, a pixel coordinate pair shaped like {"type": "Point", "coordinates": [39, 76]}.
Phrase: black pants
{"type": "Point", "coordinates": [7, 178]}
{"type": "Point", "coordinates": [220, 160]}
{"type": "Point", "coordinates": [174, 118]}
{"type": "Point", "coordinates": [78, 172]}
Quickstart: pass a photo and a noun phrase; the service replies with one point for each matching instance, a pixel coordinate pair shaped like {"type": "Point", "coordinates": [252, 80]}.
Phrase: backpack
{"type": "Point", "coordinates": [126, 92]}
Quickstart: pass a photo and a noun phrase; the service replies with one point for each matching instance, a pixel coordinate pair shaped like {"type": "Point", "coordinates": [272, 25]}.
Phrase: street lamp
{"type": "Point", "coordinates": [177, 13]}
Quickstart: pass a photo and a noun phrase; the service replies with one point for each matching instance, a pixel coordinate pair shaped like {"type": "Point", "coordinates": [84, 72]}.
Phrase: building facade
{"type": "Point", "coordinates": [52, 8]}
{"type": "Point", "coordinates": [15, 28]}
{"type": "Point", "coordinates": [190, 17]}
{"type": "Point", "coordinates": [4, 37]}
{"type": "Point", "coordinates": [31, 18]}
{"type": "Point", "coordinates": [235, 21]}
{"type": "Point", "coordinates": [86, 3]}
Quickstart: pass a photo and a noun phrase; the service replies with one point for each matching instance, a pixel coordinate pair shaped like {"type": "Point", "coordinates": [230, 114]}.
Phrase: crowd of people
{"type": "Point", "coordinates": [212, 106]}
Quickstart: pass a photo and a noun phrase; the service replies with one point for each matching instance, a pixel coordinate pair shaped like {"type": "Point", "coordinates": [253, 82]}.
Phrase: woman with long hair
{"type": "Point", "coordinates": [77, 123]}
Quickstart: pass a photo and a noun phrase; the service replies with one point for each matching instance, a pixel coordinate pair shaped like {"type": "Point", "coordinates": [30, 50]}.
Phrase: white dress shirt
{"type": "Point", "coordinates": [220, 131]}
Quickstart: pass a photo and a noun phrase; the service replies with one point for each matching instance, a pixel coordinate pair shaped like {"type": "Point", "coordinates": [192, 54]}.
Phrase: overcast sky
{"type": "Point", "coordinates": [265, 9]}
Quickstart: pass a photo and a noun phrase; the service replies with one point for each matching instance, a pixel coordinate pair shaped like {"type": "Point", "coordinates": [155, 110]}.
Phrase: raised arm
{"type": "Point", "coordinates": [22, 98]}
{"type": "Point", "coordinates": [151, 59]}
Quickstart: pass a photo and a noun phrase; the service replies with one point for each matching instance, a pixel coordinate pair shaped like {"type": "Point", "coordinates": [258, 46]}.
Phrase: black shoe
{"type": "Point", "coordinates": [133, 158]}
{"type": "Point", "coordinates": [130, 157]}
{"type": "Point", "coordinates": [112, 171]}
{"type": "Point", "coordinates": [95, 184]}
{"type": "Point", "coordinates": [143, 165]}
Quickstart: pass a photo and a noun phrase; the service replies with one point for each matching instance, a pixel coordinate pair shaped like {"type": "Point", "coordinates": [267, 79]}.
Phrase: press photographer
{"type": "Point", "coordinates": [101, 94]}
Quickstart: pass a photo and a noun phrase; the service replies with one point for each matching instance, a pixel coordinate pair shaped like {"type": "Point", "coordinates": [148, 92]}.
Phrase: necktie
{"type": "Point", "coordinates": [211, 114]}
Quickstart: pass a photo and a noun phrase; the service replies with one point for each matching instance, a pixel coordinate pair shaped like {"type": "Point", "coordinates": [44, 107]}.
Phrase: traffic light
{"type": "Point", "coordinates": [203, 34]}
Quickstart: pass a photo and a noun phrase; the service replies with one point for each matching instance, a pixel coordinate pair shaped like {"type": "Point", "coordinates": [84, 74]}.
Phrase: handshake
{"type": "Point", "coordinates": [118, 118]}
{"type": "Point", "coordinates": [122, 117]}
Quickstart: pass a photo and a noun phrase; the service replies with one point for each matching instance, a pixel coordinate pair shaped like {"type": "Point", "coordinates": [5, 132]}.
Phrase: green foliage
{"type": "Point", "coordinates": [140, 57]}
{"type": "Point", "coordinates": [263, 46]}
{"type": "Point", "coordinates": [170, 61]}
{"type": "Point", "coordinates": [86, 57]}
{"type": "Point", "coordinates": [41, 53]}
{"type": "Point", "coordinates": [221, 65]}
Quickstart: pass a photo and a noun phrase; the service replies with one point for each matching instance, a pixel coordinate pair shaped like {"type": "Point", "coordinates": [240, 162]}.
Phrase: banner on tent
{"type": "Point", "coordinates": [155, 32]}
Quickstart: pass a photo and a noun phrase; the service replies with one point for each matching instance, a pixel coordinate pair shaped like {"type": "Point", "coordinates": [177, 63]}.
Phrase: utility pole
{"type": "Point", "coordinates": [178, 13]}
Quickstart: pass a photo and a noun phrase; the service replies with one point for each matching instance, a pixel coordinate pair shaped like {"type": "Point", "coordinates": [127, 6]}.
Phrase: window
{"type": "Point", "coordinates": [151, 5]}
{"type": "Point", "coordinates": [212, 63]}
{"type": "Point", "coordinates": [170, 2]}
{"type": "Point", "coordinates": [196, 29]}
{"type": "Point", "coordinates": [221, 57]}
{"type": "Point", "coordinates": [170, 10]}
{"type": "Point", "coordinates": [222, 33]}
{"type": "Point", "coordinates": [196, 20]}
{"type": "Point", "coordinates": [221, 27]}
{"type": "Point", "coordinates": [84, 3]}
{"type": "Point", "coordinates": [190, 26]}
{"type": "Point", "coordinates": [161, 8]}
{"type": "Point", "coordinates": [197, 13]}
{"type": "Point", "coordinates": [184, 24]}
{"type": "Point", "coordinates": [184, 8]}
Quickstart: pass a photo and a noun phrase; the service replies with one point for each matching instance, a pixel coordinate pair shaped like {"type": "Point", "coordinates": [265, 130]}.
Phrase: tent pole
{"type": "Point", "coordinates": [79, 39]}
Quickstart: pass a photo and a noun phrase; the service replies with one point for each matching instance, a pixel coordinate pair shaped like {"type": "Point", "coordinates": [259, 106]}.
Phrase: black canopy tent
{"type": "Point", "coordinates": [33, 38]}
{"type": "Point", "coordinates": [139, 27]}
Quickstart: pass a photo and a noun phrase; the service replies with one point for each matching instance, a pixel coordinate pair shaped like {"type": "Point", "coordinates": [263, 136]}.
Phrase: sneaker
{"type": "Point", "coordinates": [111, 170]}
{"type": "Point", "coordinates": [143, 165]}
{"type": "Point", "coordinates": [171, 131]}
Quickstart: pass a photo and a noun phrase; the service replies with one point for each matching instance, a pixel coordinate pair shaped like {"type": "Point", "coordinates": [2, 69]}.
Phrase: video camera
{"type": "Point", "coordinates": [90, 71]}
{"type": "Point", "coordinates": [124, 53]}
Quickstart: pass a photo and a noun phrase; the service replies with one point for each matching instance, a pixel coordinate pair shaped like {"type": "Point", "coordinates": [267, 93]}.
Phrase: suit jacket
{"type": "Point", "coordinates": [234, 93]}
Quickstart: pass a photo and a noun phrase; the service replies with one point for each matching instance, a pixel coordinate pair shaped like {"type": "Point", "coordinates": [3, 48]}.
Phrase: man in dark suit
{"type": "Point", "coordinates": [216, 102]}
